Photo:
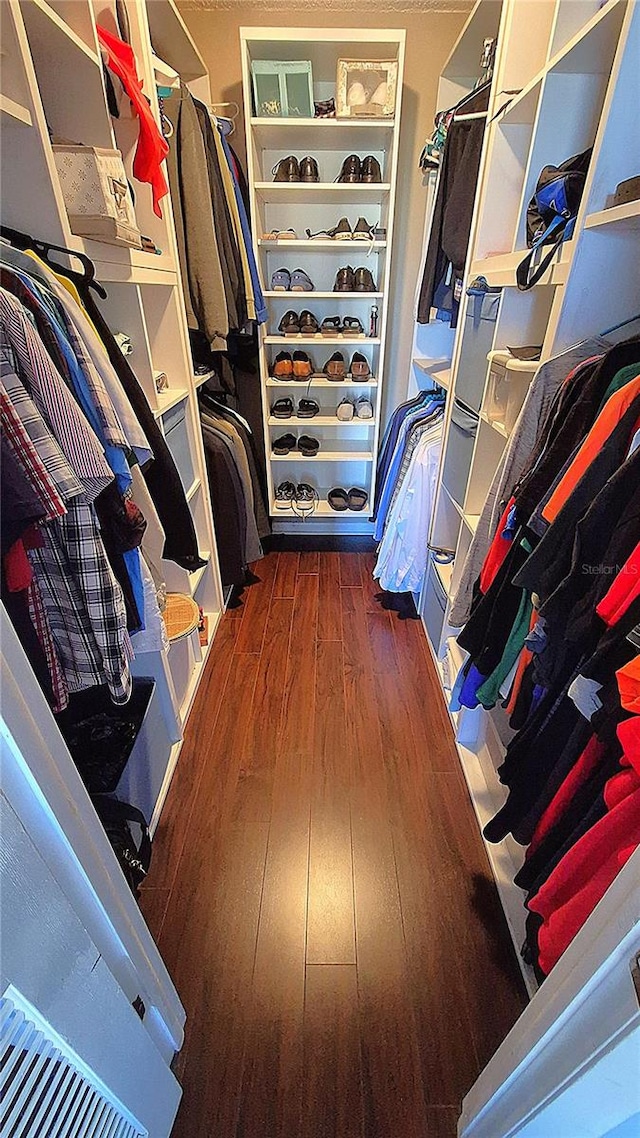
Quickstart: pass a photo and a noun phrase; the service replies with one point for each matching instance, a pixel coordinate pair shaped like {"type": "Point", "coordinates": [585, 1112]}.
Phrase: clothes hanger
{"type": "Point", "coordinates": [24, 242]}
{"type": "Point", "coordinates": [226, 119]}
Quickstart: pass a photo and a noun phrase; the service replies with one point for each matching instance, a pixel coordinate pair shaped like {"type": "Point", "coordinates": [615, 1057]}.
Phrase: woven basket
{"type": "Point", "coordinates": [180, 616]}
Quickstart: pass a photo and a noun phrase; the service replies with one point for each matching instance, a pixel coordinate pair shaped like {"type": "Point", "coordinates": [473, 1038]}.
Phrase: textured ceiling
{"type": "Point", "coordinates": [335, 5]}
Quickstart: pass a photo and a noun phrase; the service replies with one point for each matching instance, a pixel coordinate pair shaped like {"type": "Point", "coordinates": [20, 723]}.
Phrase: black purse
{"type": "Point", "coordinates": [551, 213]}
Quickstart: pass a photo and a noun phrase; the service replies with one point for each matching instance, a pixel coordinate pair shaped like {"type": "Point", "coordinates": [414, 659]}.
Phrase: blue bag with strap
{"type": "Point", "coordinates": [551, 214]}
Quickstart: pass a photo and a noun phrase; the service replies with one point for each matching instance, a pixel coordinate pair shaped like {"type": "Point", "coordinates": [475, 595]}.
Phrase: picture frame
{"type": "Point", "coordinates": [366, 88]}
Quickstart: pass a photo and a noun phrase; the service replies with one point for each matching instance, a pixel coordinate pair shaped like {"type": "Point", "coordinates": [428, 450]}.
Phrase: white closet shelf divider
{"type": "Point", "coordinates": [321, 193]}
{"type": "Point", "coordinates": [323, 134]}
{"type": "Point", "coordinates": [626, 216]}
{"type": "Point", "coordinates": [13, 112]}
{"type": "Point", "coordinates": [332, 341]}
{"type": "Point", "coordinates": [500, 269]}
{"type": "Point", "coordinates": [308, 244]}
{"type": "Point", "coordinates": [320, 381]}
{"type": "Point", "coordinates": [46, 23]}
{"type": "Point", "coordinates": [307, 425]}
{"type": "Point", "coordinates": [339, 297]}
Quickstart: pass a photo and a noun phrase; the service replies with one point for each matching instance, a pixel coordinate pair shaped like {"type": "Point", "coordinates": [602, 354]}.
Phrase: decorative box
{"type": "Point", "coordinates": [366, 88]}
{"type": "Point", "coordinates": [283, 89]}
{"type": "Point", "coordinates": [96, 193]}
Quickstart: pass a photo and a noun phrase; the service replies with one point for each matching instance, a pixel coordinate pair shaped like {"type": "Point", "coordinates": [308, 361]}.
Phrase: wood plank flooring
{"type": "Point", "coordinates": [319, 889]}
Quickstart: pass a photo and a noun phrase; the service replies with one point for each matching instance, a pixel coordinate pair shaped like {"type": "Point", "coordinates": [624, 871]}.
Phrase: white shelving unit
{"type": "Point", "coordinates": [52, 80]}
{"type": "Point", "coordinates": [344, 458]}
{"type": "Point", "coordinates": [575, 64]}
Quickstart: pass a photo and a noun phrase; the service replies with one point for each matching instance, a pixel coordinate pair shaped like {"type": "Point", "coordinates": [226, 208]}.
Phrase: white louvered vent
{"type": "Point", "coordinates": [46, 1091]}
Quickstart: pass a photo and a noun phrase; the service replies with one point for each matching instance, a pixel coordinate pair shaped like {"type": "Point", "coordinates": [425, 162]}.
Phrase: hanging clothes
{"type": "Point", "coordinates": [97, 347]}
{"type": "Point", "coordinates": [403, 553]}
{"type": "Point", "coordinates": [558, 596]}
{"type": "Point", "coordinates": [83, 602]}
{"type": "Point", "coordinates": [200, 266]}
{"type": "Point", "coordinates": [452, 213]}
{"type": "Point", "coordinates": [549, 378]}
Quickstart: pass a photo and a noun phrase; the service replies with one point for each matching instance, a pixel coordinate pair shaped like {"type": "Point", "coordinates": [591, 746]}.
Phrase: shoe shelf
{"type": "Point", "coordinates": [322, 510]}
{"type": "Point", "coordinates": [321, 193]}
{"type": "Point", "coordinates": [320, 381]}
{"type": "Point", "coordinates": [320, 339]}
{"type": "Point", "coordinates": [289, 296]}
{"type": "Point", "coordinates": [351, 455]}
{"type": "Point", "coordinates": [317, 207]}
{"type": "Point", "coordinates": [335, 244]}
{"type": "Point", "coordinates": [319, 421]}
{"type": "Point", "coordinates": [323, 134]}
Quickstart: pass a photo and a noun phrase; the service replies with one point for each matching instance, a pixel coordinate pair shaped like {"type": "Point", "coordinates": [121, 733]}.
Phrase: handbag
{"type": "Point", "coordinates": [551, 214]}
{"type": "Point", "coordinates": [134, 858]}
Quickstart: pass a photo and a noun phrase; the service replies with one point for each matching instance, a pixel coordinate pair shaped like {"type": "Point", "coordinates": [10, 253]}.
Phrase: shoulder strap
{"type": "Point", "coordinates": [523, 280]}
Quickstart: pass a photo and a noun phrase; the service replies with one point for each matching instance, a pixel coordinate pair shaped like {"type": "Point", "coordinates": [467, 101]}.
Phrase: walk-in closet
{"type": "Point", "coordinates": [320, 526]}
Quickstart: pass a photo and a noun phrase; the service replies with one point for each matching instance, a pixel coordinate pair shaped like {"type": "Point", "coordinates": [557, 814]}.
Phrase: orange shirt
{"type": "Point", "coordinates": [609, 417]}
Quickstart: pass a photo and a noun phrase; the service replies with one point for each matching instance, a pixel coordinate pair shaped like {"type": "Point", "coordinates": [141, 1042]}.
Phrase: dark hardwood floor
{"type": "Point", "coordinates": [319, 888]}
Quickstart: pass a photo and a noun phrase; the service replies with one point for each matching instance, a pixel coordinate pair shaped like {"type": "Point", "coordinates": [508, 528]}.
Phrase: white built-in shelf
{"type": "Point", "coordinates": [173, 40]}
{"type": "Point", "coordinates": [44, 22]}
{"type": "Point", "coordinates": [316, 295]}
{"type": "Point", "coordinates": [168, 399]}
{"type": "Point", "coordinates": [193, 489]}
{"type": "Point", "coordinates": [198, 380]}
{"type": "Point", "coordinates": [445, 573]}
{"type": "Point", "coordinates": [428, 364]}
{"type": "Point", "coordinates": [323, 134]}
{"type": "Point", "coordinates": [14, 112]}
{"type": "Point", "coordinates": [308, 244]}
{"type": "Point", "coordinates": [196, 577]}
{"type": "Point", "coordinates": [471, 521]}
{"type": "Point", "coordinates": [500, 269]}
{"type": "Point", "coordinates": [495, 425]}
{"type": "Point", "coordinates": [321, 381]}
{"type": "Point", "coordinates": [522, 107]}
{"type": "Point", "coordinates": [442, 376]}
{"type": "Point", "coordinates": [331, 341]}
{"type": "Point", "coordinates": [322, 510]}
{"type": "Point", "coordinates": [320, 421]}
{"type": "Point", "coordinates": [625, 216]}
{"type": "Point", "coordinates": [351, 455]}
{"type": "Point", "coordinates": [321, 193]}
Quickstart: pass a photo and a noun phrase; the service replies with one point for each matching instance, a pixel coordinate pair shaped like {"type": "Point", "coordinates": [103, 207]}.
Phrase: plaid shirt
{"type": "Point", "coordinates": [82, 599]}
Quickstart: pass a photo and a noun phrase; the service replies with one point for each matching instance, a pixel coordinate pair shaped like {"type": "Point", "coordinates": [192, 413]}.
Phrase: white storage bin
{"type": "Point", "coordinates": [477, 340]}
{"type": "Point", "coordinates": [434, 606]}
{"type": "Point", "coordinates": [96, 194]}
{"type": "Point", "coordinates": [176, 432]}
{"type": "Point", "coordinates": [509, 380]}
{"type": "Point", "coordinates": [459, 451]}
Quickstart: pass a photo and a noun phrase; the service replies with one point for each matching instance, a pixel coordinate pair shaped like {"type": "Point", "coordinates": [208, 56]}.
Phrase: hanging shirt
{"type": "Point", "coordinates": [152, 147]}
